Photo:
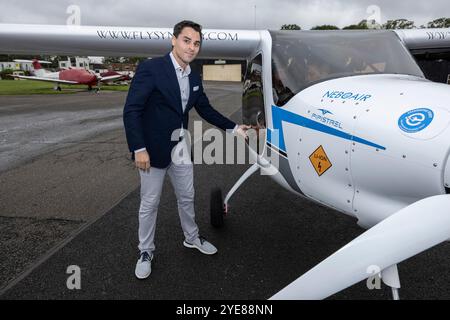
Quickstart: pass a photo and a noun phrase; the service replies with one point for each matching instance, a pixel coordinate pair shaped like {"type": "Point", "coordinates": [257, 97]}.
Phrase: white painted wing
{"type": "Point", "coordinates": [119, 41]}
{"type": "Point", "coordinates": [45, 79]}
{"type": "Point", "coordinates": [425, 39]}
{"type": "Point", "coordinates": [110, 78]}
{"type": "Point", "coordinates": [402, 235]}
{"type": "Point", "coordinates": [30, 61]}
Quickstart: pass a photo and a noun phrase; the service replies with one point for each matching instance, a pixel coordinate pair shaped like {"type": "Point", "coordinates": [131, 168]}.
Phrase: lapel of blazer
{"type": "Point", "coordinates": [174, 85]}
{"type": "Point", "coordinates": [192, 83]}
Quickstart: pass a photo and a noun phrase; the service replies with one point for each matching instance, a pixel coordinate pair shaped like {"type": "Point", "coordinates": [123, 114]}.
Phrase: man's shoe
{"type": "Point", "coordinates": [202, 245]}
{"type": "Point", "coordinates": [144, 265]}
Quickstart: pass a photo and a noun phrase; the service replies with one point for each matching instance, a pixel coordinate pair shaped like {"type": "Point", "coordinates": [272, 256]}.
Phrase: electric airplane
{"type": "Point", "coordinates": [350, 115]}
{"type": "Point", "coordinates": [66, 76]}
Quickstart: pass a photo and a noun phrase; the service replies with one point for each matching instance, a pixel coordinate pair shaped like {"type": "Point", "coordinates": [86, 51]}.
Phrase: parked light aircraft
{"type": "Point", "coordinates": [356, 125]}
{"type": "Point", "coordinates": [65, 76]}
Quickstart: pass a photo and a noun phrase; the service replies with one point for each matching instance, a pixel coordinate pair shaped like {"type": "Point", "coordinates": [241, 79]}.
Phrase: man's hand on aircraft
{"type": "Point", "coordinates": [242, 130]}
{"type": "Point", "coordinates": [142, 160]}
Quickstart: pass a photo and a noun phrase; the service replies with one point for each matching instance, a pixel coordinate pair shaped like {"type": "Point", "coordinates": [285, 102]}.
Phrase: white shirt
{"type": "Point", "coordinates": [183, 80]}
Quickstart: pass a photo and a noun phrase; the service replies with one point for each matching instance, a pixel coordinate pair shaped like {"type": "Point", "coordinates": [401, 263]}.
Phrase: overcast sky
{"type": "Point", "coordinates": [230, 14]}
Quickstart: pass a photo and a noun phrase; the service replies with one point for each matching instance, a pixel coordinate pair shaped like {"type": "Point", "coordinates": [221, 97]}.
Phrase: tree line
{"type": "Point", "coordinates": [372, 24]}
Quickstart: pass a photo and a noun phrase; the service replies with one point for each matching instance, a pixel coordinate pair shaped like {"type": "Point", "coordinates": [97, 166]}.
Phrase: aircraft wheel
{"type": "Point", "coordinates": [216, 208]}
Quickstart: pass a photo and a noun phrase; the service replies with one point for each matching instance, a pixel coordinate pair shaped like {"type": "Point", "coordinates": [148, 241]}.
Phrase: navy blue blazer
{"type": "Point", "coordinates": [153, 109]}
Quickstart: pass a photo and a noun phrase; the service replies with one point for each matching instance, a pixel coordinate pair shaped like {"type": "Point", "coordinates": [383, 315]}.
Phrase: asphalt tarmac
{"type": "Point", "coordinates": [73, 200]}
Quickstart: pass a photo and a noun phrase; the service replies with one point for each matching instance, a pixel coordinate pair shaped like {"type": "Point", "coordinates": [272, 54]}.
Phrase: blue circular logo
{"type": "Point", "coordinates": [415, 120]}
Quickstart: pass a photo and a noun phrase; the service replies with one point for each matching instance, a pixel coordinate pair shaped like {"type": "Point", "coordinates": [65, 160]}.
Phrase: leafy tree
{"type": "Point", "coordinates": [373, 24]}
{"type": "Point", "coordinates": [325, 27]}
{"type": "Point", "coordinates": [439, 23]}
{"type": "Point", "coordinates": [290, 27]}
{"type": "Point", "coordinates": [11, 57]}
{"type": "Point", "coordinates": [109, 60]}
{"type": "Point", "coordinates": [399, 24]}
{"type": "Point", "coordinates": [362, 25]}
{"type": "Point", "coordinates": [132, 60]}
{"type": "Point", "coordinates": [5, 74]}
{"type": "Point", "coordinates": [135, 60]}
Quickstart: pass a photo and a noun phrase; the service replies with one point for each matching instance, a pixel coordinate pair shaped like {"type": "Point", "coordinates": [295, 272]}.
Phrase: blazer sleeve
{"type": "Point", "coordinates": [207, 112]}
{"type": "Point", "coordinates": [139, 92]}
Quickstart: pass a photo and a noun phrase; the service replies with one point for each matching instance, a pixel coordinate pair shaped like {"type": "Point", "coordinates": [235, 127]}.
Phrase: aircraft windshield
{"type": "Point", "coordinates": [301, 59]}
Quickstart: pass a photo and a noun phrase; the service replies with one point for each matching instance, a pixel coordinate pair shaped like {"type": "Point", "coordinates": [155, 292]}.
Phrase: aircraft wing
{"type": "Point", "coordinates": [29, 61]}
{"type": "Point", "coordinates": [45, 79]}
{"type": "Point", "coordinates": [425, 40]}
{"type": "Point", "coordinates": [402, 235]}
{"type": "Point", "coordinates": [119, 41]}
{"type": "Point", "coordinates": [111, 78]}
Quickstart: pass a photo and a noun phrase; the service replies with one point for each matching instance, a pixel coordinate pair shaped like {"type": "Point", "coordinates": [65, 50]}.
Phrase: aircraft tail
{"type": "Point", "coordinates": [36, 64]}
{"type": "Point", "coordinates": [402, 235]}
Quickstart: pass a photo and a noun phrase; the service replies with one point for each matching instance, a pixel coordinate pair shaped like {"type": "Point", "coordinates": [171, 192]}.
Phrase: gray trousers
{"type": "Point", "coordinates": [181, 175]}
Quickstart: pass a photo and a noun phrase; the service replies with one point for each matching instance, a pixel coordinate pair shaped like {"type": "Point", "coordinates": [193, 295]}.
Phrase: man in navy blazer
{"type": "Point", "coordinates": [161, 94]}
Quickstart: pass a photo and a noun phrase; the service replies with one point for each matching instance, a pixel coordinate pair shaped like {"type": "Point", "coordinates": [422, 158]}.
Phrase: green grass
{"type": "Point", "coordinates": [26, 87]}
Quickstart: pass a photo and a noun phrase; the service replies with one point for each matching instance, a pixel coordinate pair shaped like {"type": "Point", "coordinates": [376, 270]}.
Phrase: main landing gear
{"type": "Point", "coordinates": [219, 207]}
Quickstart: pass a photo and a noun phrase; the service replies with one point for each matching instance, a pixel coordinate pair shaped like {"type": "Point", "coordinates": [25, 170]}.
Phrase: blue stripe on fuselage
{"type": "Point", "coordinates": [279, 115]}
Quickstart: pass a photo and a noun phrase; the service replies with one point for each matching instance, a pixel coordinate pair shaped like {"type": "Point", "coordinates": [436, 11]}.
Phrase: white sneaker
{"type": "Point", "coordinates": [202, 245]}
{"type": "Point", "coordinates": [144, 265]}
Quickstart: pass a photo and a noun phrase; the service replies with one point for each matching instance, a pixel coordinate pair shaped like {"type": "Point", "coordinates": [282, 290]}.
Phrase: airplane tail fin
{"type": "Point", "coordinates": [402, 235]}
{"type": "Point", "coordinates": [36, 64]}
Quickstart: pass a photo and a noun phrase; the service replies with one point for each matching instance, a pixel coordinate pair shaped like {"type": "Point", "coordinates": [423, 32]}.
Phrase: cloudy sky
{"type": "Point", "coordinates": [232, 14]}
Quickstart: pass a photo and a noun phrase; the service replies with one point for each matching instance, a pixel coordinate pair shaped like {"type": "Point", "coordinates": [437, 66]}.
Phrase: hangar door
{"type": "Point", "coordinates": [224, 72]}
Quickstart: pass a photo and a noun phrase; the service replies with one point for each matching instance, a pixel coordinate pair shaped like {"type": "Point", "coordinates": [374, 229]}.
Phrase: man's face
{"type": "Point", "coordinates": [186, 46]}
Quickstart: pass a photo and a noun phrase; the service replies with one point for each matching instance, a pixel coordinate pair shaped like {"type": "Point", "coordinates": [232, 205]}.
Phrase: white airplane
{"type": "Point", "coordinates": [356, 125]}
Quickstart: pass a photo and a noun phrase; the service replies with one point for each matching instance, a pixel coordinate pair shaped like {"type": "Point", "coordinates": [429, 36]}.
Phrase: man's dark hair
{"type": "Point", "coordinates": [186, 23]}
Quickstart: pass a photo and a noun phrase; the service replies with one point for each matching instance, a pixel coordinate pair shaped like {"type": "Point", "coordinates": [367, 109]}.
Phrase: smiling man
{"type": "Point", "coordinates": [161, 94]}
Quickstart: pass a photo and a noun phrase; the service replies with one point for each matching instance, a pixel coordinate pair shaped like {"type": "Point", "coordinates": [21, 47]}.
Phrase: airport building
{"type": "Point", "coordinates": [220, 70]}
{"type": "Point", "coordinates": [24, 66]}
{"type": "Point", "coordinates": [74, 62]}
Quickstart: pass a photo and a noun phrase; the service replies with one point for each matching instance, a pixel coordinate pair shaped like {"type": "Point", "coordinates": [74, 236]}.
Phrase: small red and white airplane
{"type": "Point", "coordinates": [66, 76]}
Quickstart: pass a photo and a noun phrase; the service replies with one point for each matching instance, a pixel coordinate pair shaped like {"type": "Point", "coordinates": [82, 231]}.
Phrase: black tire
{"type": "Point", "coordinates": [216, 208]}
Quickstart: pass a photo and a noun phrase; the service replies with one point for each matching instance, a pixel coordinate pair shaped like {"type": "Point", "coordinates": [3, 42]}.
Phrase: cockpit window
{"type": "Point", "coordinates": [301, 59]}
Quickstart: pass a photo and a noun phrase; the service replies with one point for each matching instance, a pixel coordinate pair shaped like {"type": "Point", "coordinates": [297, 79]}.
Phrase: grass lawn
{"type": "Point", "coordinates": [25, 87]}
